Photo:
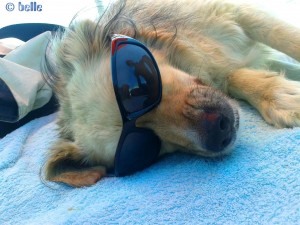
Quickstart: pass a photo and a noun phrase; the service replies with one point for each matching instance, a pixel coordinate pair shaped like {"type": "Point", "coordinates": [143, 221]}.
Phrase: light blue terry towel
{"type": "Point", "coordinates": [259, 183]}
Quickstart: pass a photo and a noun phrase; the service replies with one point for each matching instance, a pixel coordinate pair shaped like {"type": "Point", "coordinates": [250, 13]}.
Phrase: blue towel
{"type": "Point", "coordinates": [259, 183]}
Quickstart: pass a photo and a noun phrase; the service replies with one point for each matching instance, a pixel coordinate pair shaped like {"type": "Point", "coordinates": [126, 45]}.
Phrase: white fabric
{"type": "Point", "coordinates": [21, 71]}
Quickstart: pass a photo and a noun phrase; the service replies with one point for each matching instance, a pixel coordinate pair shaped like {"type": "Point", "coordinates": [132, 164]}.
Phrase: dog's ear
{"type": "Point", "coordinates": [67, 165]}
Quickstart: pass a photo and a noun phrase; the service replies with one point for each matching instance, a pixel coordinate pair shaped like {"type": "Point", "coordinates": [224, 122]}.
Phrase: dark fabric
{"type": "Point", "coordinates": [26, 31]}
{"type": "Point", "coordinates": [8, 106]}
{"type": "Point", "coordinates": [47, 109]}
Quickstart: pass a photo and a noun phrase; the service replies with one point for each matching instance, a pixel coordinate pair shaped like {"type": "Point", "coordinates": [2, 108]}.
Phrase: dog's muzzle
{"type": "Point", "coordinates": [213, 116]}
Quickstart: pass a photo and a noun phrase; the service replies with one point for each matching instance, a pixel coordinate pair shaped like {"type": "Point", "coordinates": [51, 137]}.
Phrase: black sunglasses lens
{"type": "Point", "coordinates": [138, 151]}
{"type": "Point", "coordinates": [137, 78]}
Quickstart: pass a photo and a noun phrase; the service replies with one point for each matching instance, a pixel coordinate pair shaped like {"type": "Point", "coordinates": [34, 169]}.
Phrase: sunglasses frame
{"type": "Point", "coordinates": [129, 119]}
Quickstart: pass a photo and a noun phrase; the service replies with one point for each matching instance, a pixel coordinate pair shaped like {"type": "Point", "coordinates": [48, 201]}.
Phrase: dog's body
{"type": "Point", "coordinates": [200, 46]}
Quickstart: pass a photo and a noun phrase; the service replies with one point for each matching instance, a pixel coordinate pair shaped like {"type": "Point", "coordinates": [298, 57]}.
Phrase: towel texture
{"type": "Point", "coordinates": [259, 183]}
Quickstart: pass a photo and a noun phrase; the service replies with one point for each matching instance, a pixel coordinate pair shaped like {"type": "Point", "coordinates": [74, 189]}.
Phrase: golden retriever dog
{"type": "Point", "coordinates": [208, 53]}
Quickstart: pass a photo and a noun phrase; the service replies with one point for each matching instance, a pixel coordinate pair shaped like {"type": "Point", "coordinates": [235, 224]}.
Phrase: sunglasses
{"type": "Point", "coordinates": [138, 89]}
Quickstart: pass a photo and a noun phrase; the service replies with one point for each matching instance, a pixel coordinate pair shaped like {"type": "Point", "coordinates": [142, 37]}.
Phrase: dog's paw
{"type": "Point", "coordinates": [280, 105]}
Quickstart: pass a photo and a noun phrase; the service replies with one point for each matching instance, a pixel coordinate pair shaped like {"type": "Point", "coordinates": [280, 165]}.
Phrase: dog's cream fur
{"type": "Point", "coordinates": [200, 46]}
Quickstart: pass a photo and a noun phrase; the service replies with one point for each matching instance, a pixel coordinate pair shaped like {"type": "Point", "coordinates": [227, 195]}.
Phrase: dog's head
{"type": "Point", "coordinates": [191, 116]}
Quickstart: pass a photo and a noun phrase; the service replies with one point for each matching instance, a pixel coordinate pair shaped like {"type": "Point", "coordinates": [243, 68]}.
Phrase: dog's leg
{"type": "Point", "coordinates": [66, 164]}
{"type": "Point", "coordinates": [269, 30]}
{"type": "Point", "coordinates": [276, 98]}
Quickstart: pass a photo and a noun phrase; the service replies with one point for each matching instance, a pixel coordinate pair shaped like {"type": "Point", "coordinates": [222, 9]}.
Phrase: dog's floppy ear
{"type": "Point", "coordinates": [67, 165]}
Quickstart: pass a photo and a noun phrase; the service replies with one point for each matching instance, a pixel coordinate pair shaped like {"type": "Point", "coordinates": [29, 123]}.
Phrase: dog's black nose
{"type": "Point", "coordinates": [218, 130]}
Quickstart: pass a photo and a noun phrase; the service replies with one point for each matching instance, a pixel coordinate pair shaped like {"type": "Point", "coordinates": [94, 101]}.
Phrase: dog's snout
{"type": "Point", "coordinates": [218, 130]}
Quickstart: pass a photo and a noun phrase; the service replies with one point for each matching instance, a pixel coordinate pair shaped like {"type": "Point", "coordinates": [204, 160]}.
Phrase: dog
{"type": "Point", "coordinates": [208, 52]}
